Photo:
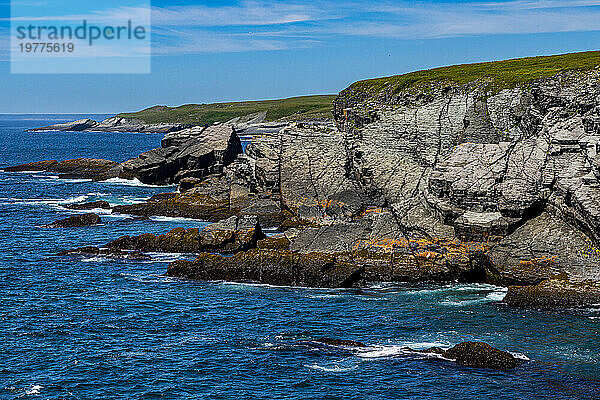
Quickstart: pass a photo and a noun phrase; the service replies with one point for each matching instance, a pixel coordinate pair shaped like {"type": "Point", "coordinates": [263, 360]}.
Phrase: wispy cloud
{"type": "Point", "coordinates": [258, 25]}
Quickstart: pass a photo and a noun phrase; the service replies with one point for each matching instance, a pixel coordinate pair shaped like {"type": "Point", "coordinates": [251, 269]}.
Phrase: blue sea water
{"type": "Point", "coordinates": [104, 329]}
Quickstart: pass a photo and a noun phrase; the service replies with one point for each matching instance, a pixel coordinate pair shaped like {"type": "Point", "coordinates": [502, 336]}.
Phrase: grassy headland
{"type": "Point", "coordinates": [498, 74]}
{"type": "Point", "coordinates": [304, 107]}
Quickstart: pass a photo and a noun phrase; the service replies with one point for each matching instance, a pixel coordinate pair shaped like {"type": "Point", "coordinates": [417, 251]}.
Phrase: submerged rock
{"type": "Point", "coordinates": [555, 293]}
{"type": "Point", "coordinates": [76, 221]}
{"type": "Point", "coordinates": [477, 355]}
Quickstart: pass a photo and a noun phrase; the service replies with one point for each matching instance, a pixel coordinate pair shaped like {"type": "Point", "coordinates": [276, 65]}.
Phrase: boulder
{"type": "Point", "coordinates": [76, 221]}
{"type": "Point", "coordinates": [89, 206]}
{"type": "Point", "coordinates": [476, 355]}
{"type": "Point", "coordinates": [481, 355]}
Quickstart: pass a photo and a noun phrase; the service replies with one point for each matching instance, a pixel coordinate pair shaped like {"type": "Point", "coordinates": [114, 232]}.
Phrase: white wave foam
{"type": "Point", "coordinates": [147, 278]}
{"type": "Point", "coordinates": [325, 296]}
{"type": "Point", "coordinates": [498, 295]}
{"type": "Point", "coordinates": [35, 389]}
{"type": "Point", "coordinates": [520, 356]}
{"type": "Point", "coordinates": [99, 194]}
{"type": "Point", "coordinates": [333, 368]}
{"type": "Point", "coordinates": [132, 182]}
{"type": "Point", "coordinates": [175, 219]}
{"type": "Point", "coordinates": [169, 257]}
{"type": "Point", "coordinates": [383, 351]}
{"type": "Point", "coordinates": [70, 200]}
{"type": "Point", "coordinates": [96, 259]}
{"type": "Point", "coordinates": [73, 180]}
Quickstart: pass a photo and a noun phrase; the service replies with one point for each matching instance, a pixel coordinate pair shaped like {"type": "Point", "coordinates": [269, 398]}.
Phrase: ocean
{"type": "Point", "coordinates": [94, 328]}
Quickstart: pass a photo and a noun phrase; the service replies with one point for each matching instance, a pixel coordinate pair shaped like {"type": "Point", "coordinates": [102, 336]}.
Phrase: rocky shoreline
{"type": "Point", "coordinates": [445, 183]}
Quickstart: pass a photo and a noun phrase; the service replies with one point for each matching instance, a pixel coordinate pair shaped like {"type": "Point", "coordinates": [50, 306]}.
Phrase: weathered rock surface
{"type": "Point", "coordinates": [545, 247]}
{"type": "Point", "coordinates": [113, 124]}
{"type": "Point", "coordinates": [31, 167]}
{"type": "Point", "coordinates": [477, 355]}
{"type": "Point", "coordinates": [86, 168]}
{"type": "Point", "coordinates": [76, 221]}
{"type": "Point", "coordinates": [555, 293]}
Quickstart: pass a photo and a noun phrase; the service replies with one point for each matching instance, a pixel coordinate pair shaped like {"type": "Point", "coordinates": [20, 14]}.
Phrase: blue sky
{"type": "Point", "coordinates": [209, 51]}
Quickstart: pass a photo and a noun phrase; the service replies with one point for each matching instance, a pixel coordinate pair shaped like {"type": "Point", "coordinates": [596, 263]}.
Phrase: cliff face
{"type": "Point", "coordinates": [513, 168]}
{"type": "Point", "coordinates": [489, 163]}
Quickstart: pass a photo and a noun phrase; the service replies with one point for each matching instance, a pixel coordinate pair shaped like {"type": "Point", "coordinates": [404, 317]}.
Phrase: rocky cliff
{"type": "Point", "coordinates": [479, 173]}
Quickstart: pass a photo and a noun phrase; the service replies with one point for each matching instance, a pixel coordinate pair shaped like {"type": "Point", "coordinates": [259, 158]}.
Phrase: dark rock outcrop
{"type": "Point", "coordinates": [86, 168]}
{"type": "Point", "coordinates": [555, 293]}
{"type": "Point", "coordinates": [76, 221]}
{"type": "Point", "coordinates": [275, 267]}
{"type": "Point", "coordinates": [89, 206]}
{"type": "Point", "coordinates": [228, 236]}
{"type": "Point", "coordinates": [33, 166]}
{"type": "Point", "coordinates": [477, 355]}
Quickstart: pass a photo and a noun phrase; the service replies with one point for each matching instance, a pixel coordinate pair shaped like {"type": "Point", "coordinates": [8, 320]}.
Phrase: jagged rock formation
{"type": "Point", "coordinates": [192, 153]}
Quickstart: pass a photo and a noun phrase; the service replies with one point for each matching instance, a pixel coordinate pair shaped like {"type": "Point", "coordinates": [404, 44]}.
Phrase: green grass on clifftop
{"type": "Point", "coordinates": [500, 74]}
{"type": "Point", "coordinates": [203, 114]}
